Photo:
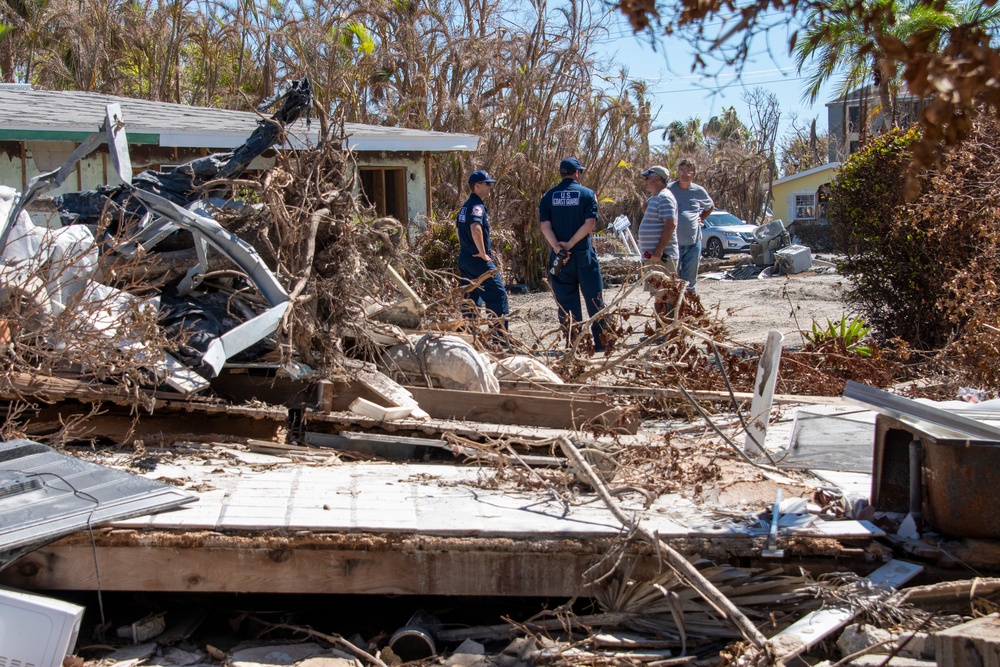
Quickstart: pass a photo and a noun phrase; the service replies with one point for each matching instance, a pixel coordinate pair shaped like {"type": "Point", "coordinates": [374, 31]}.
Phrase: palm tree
{"type": "Point", "coordinates": [684, 134]}
{"type": "Point", "coordinates": [29, 31]}
{"type": "Point", "coordinates": [726, 127]}
{"type": "Point", "coordinates": [837, 40]}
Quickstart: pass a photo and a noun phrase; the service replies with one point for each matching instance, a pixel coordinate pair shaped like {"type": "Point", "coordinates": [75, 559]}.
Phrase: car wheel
{"type": "Point", "coordinates": [714, 248]}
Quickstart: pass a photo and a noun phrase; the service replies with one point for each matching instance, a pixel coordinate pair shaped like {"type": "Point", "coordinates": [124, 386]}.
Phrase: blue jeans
{"type": "Point", "coordinates": [687, 266]}
{"type": "Point", "coordinates": [581, 273]}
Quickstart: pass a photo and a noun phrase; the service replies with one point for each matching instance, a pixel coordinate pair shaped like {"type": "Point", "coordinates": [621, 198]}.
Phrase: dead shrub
{"type": "Point", "coordinates": [926, 272]}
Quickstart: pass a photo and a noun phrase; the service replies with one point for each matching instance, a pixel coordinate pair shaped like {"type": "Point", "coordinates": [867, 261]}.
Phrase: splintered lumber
{"type": "Point", "coordinates": [952, 595]}
{"type": "Point", "coordinates": [406, 448]}
{"type": "Point", "coordinates": [19, 385]}
{"type": "Point", "coordinates": [334, 422]}
{"type": "Point", "coordinates": [508, 630]}
{"type": "Point", "coordinates": [553, 412]}
{"type": "Point", "coordinates": [677, 562]}
{"type": "Point", "coordinates": [405, 288]}
{"type": "Point", "coordinates": [812, 628]}
{"type": "Point", "coordinates": [763, 394]}
{"type": "Point", "coordinates": [390, 391]}
{"type": "Point", "coordinates": [558, 412]}
{"type": "Point", "coordinates": [563, 654]}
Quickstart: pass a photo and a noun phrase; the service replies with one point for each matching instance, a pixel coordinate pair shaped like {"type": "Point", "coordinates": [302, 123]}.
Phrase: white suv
{"type": "Point", "coordinates": [723, 232]}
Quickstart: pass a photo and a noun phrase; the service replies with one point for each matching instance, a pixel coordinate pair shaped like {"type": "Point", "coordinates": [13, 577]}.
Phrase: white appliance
{"type": "Point", "coordinates": [793, 259]}
{"type": "Point", "coordinates": [36, 631]}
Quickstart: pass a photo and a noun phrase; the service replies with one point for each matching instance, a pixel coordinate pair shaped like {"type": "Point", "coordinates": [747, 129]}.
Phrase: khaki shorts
{"type": "Point", "coordinates": [666, 265]}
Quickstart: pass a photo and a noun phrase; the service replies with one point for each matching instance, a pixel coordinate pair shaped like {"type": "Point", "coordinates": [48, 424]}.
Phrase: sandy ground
{"type": "Point", "coordinates": [748, 308]}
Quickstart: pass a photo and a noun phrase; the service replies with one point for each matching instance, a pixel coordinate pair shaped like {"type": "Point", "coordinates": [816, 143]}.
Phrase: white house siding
{"type": "Point", "coordinates": [10, 165]}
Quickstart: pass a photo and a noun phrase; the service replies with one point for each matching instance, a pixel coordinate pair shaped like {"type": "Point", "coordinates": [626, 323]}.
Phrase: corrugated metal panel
{"type": "Point", "coordinates": [45, 495]}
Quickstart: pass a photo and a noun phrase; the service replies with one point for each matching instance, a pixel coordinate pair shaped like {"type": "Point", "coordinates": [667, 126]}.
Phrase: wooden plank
{"type": "Point", "coordinates": [428, 571]}
{"type": "Point", "coordinates": [952, 595]}
{"type": "Point", "coordinates": [565, 413]}
{"type": "Point", "coordinates": [546, 388]}
{"type": "Point", "coordinates": [21, 385]}
{"type": "Point", "coordinates": [338, 419]}
{"type": "Point", "coordinates": [531, 411]}
{"type": "Point", "coordinates": [406, 448]}
{"type": "Point", "coordinates": [245, 385]}
{"type": "Point", "coordinates": [119, 425]}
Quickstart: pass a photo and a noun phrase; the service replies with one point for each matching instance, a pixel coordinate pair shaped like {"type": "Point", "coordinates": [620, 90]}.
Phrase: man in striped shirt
{"type": "Point", "coordinates": [658, 229]}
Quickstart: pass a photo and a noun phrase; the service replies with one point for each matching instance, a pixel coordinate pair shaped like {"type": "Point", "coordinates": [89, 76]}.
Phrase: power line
{"type": "Point", "coordinates": [693, 89]}
{"type": "Point", "coordinates": [723, 75]}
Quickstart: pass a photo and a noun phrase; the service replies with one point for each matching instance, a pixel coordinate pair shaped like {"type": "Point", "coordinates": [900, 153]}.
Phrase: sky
{"type": "Point", "coordinates": [678, 94]}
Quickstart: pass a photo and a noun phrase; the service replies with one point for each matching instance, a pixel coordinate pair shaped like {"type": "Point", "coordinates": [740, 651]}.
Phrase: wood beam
{"type": "Point", "coordinates": [129, 560]}
{"type": "Point", "coordinates": [238, 570]}
{"type": "Point", "coordinates": [504, 408]}
{"type": "Point", "coordinates": [248, 564]}
{"type": "Point", "coordinates": [123, 428]}
{"type": "Point", "coordinates": [551, 412]}
{"type": "Point", "coordinates": [548, 389]}
{"type": "Point", "coordinates": [427, 186]}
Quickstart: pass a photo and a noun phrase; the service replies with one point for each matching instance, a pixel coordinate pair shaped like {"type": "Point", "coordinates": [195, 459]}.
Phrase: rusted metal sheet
{"type": "Point", "coordinates": [959, 479]}
{"type": "Point", "coordinates": [890, 466]}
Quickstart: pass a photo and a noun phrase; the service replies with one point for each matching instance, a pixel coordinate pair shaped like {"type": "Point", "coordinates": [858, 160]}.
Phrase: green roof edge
{"type": "Point", "coordinates": [68, 135]}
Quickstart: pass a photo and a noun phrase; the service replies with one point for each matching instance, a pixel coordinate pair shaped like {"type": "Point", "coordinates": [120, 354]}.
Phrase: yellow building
{"type": "Point", "coordinates": [794, 196]}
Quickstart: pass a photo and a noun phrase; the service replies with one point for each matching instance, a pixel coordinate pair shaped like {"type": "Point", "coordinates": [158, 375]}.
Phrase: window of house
{"type": "Point", "coordinates": [384, 188]}
{"type": "Point", "coordinates": [805, 206]}
{"type": "Point", "coordinates": [853, 119]}
{"type": "Point", "coordinates": [909, 113]}
{"type": "Point", "coordinates": [854, 146]}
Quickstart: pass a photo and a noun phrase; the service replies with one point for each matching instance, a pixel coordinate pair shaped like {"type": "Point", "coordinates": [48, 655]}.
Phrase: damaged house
{"type": "Point", "coordinates": [39, 129]}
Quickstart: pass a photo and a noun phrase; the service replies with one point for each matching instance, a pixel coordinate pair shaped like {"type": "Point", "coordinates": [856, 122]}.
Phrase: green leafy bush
{"type": "Point", "coordinates": [845, 336]}
{"type": "Point", "coordinates": [884, 255]}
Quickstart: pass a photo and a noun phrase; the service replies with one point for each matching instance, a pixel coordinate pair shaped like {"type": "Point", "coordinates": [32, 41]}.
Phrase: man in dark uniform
{"type": "Point", "coordinates": [568, 214]}
{"type": "Point", "coordinates": [474, 258]}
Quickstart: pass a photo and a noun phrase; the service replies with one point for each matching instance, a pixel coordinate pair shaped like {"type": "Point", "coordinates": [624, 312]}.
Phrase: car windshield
{"type": "Point", "coordinates": [722, 219]}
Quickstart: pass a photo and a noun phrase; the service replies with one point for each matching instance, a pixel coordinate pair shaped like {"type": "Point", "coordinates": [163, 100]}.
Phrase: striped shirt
{"type": "Point", "coordinates": [660, 207]}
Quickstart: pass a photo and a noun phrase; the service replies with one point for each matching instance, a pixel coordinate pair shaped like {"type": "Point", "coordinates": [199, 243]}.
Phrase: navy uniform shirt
{"type": "Point", "coordinates": [473, 210]}
{"type": "Point", "coordinates": [567, 206]}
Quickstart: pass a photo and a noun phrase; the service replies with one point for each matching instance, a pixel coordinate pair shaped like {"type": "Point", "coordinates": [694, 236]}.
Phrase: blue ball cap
{"type": "Point", "coordinates": [480, 176]}
{"type": "Point", "coordinates": [571, 164]}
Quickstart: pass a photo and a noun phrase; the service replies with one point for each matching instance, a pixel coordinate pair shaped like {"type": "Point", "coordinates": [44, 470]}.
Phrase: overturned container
{"type": "Point", "coordinates": [793, 259]}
